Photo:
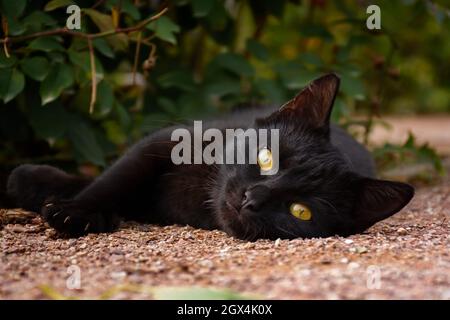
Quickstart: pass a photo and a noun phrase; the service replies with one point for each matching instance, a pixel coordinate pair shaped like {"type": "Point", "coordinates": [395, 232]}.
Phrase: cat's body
{"type": "Point", "coordinates": [321, 167]}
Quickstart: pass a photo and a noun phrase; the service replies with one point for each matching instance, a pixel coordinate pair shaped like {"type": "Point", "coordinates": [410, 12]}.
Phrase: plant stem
{"type": "Point", "coordinates": [93, 76]}
{"type": "Point", "coordinates": [65, 31]}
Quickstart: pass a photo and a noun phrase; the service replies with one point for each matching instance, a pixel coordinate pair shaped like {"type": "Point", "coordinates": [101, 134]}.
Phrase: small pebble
{"type": "Point", "coordinates": [344, 260]}
{"type": "Point", "coordinates": [277, 242]}
{"type": "Point", "coordinates": [353, 265]}
{"type": "Point", "coordinates": [361, 249]}
{"type": "Point", "coordinates": [118, 275]}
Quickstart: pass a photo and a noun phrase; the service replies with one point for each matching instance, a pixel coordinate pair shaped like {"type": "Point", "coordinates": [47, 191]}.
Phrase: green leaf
{"type": "Point", "coordinates": [167, 105]}
{"type": "Point", "coordinates": [223, 87]}
{"type": "Point", "coordinates": [234, 63]}
{"type": "Point", "coordinates": [13, 86]}
{"type": "Point", "coordinates": [6, 62]}
{"type": "Point", "coordinates": [56, 57]}
{"type": "Point", "coordinates": [102, 46]}
{"type": "Point", "coordinates": [257, 49]}
{"type": "Point", "coordinates": [340, 110]}
{"type": "Point", "coordinates": [36, 67]}
{"type": "Point", "coordinates": [105, 99]}
{"type": "Point", "coordinates": [49, 122]}
{"type": "Point", "coordinates": [122, 116]}
{"type": "Point", "coordinates": [82, 60]}
{"type": "Point", "coordinates": [221, 24]}
{"type": "Point", "coordinates": [13, 8]}
{"type": "Point", "coordinates": [127, 6]}
{"type": "Point", "coordinates": [56, 4]}
{"type": "Point", "coordinates": [37, 19]}
{"type": "Point", "coordinates": [196, 293]}
{"type": "Point", "coordinates": [411, 141]}
{"type": "Point", "coordinates": [165, 29]}
{"type": "Point", "coordinates": [114, 132]}
{"type": "Point", "coordinates": [15, 26]}
{"type": "Point", "coordinates": [59, 78]}
{"type": "Point", "coordinates": [317, 31]}
{"type": "Point", "coordinates": [177, 79]}
{"type": "Point", "coordinates": [353, 87]}
{"type": "Point", "coordinates": [85, 142]}
{"type": "Point", "coordinates": [271, 90]}
{"type": "Point", "coordinates": [201, 8]}
{"type": "Point", "coordinates": [104, 23]}
{"type": "Point", "coordinates": [130, 8]}
{"type": "Point", "coordinates": [294, 77]}
{"type": "Point", "coordinates": [311, 59]}
{"type": "Point", "coordinates": [46, 44]}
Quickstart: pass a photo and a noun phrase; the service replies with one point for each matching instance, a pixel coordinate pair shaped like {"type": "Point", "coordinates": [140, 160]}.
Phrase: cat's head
{"type": "Point", "coordinates": [315, 193]}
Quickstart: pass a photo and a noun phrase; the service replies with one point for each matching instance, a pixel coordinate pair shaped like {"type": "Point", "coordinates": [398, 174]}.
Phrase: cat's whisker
{"type": "Point", "coordinates": [160, 142]}
{"type": "Point", "coordinates": [286, 231]}
{"type": "Point", "coordinates": [327, 203]}
{"type": "Point", "coordinates": [209, 203]}
{"type": "Point", "coordinates": [67, 219]}
{"type": "Point", "coordinates": [247, 226]}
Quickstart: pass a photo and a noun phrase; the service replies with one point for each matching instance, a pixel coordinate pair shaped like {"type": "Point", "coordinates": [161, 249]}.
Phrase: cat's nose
{"type": "Point", "coordinates": [247, 202]}
{"type": "Point", "coordinates": [253, 198]}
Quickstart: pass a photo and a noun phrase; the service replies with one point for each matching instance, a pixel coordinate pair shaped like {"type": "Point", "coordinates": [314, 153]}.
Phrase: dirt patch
{"type": "Point", "coordinates": [405, 256]}
{"type": "Point", "coordinates": [432, 129]}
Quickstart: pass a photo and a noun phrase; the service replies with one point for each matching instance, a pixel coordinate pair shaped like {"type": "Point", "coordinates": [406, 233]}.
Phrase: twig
{"type": "Point", "coordinates": [93, 76]}
{"type": "Point", "coordinates": [65, 31]}
{"type": "Point", "coordinates": [5, 48]}
{"type": "Point", "coordinates": [98, 3]}
{"type": "Point", "coordinates": [136, 56]}
{"type": "Point", "coordinates": [6, 32]}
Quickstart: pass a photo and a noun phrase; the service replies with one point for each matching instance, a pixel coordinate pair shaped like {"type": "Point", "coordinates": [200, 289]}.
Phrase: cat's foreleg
{"type": "Point", "coordinates": [99, 207]}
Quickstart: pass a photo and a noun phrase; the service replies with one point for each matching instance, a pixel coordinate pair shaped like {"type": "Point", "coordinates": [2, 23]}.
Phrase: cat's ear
{"type": "Point", "coordinates": [379, 199]}
{"type": "Point", "coordinates": [315, 102]}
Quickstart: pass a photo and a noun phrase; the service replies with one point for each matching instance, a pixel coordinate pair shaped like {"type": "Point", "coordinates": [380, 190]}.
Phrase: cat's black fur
{"type": "Point", "coordinates": [321, 167]}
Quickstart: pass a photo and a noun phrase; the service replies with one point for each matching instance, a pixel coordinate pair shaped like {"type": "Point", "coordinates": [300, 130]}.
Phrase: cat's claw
{"type": "Point", "coordinates": [69, 218]}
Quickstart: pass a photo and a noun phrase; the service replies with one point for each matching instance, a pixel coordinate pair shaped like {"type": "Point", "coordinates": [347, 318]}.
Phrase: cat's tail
{"type": "Point", "coordinates": [29, 186]}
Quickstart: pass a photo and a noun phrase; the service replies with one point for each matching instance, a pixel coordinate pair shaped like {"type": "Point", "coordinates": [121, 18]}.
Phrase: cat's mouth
{"type": "Point", "coordinates": [231, 210]}
{"type": "Point", "coordinates": [235, 223]}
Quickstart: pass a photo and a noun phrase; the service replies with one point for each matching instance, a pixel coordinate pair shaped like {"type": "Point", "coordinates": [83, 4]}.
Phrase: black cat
{"type": "Point", "coordinates": [325, 184]}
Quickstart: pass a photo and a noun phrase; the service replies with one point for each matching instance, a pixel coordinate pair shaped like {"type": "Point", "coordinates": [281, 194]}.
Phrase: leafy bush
{"type": "Point", "coordinates": [199, 58]}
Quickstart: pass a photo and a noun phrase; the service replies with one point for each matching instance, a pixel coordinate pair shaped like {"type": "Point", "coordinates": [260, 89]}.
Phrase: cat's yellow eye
{"type": "Point", "coordinates": [300, 211]}
{"type": "Point", "coordinates": [265, 159]}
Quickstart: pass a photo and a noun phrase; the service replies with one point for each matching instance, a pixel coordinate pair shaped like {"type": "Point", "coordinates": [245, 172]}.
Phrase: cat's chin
{"type": "Point", "coordinates": [238, 225]}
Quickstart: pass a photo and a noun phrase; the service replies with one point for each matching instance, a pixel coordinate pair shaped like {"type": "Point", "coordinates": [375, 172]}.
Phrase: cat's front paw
{"type": "Point", "coordinates": [69, 218]}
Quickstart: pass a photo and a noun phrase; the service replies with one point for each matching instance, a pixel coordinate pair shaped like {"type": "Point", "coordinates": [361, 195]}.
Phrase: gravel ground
{"type": "Point", "coordinates": [404, 257]}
